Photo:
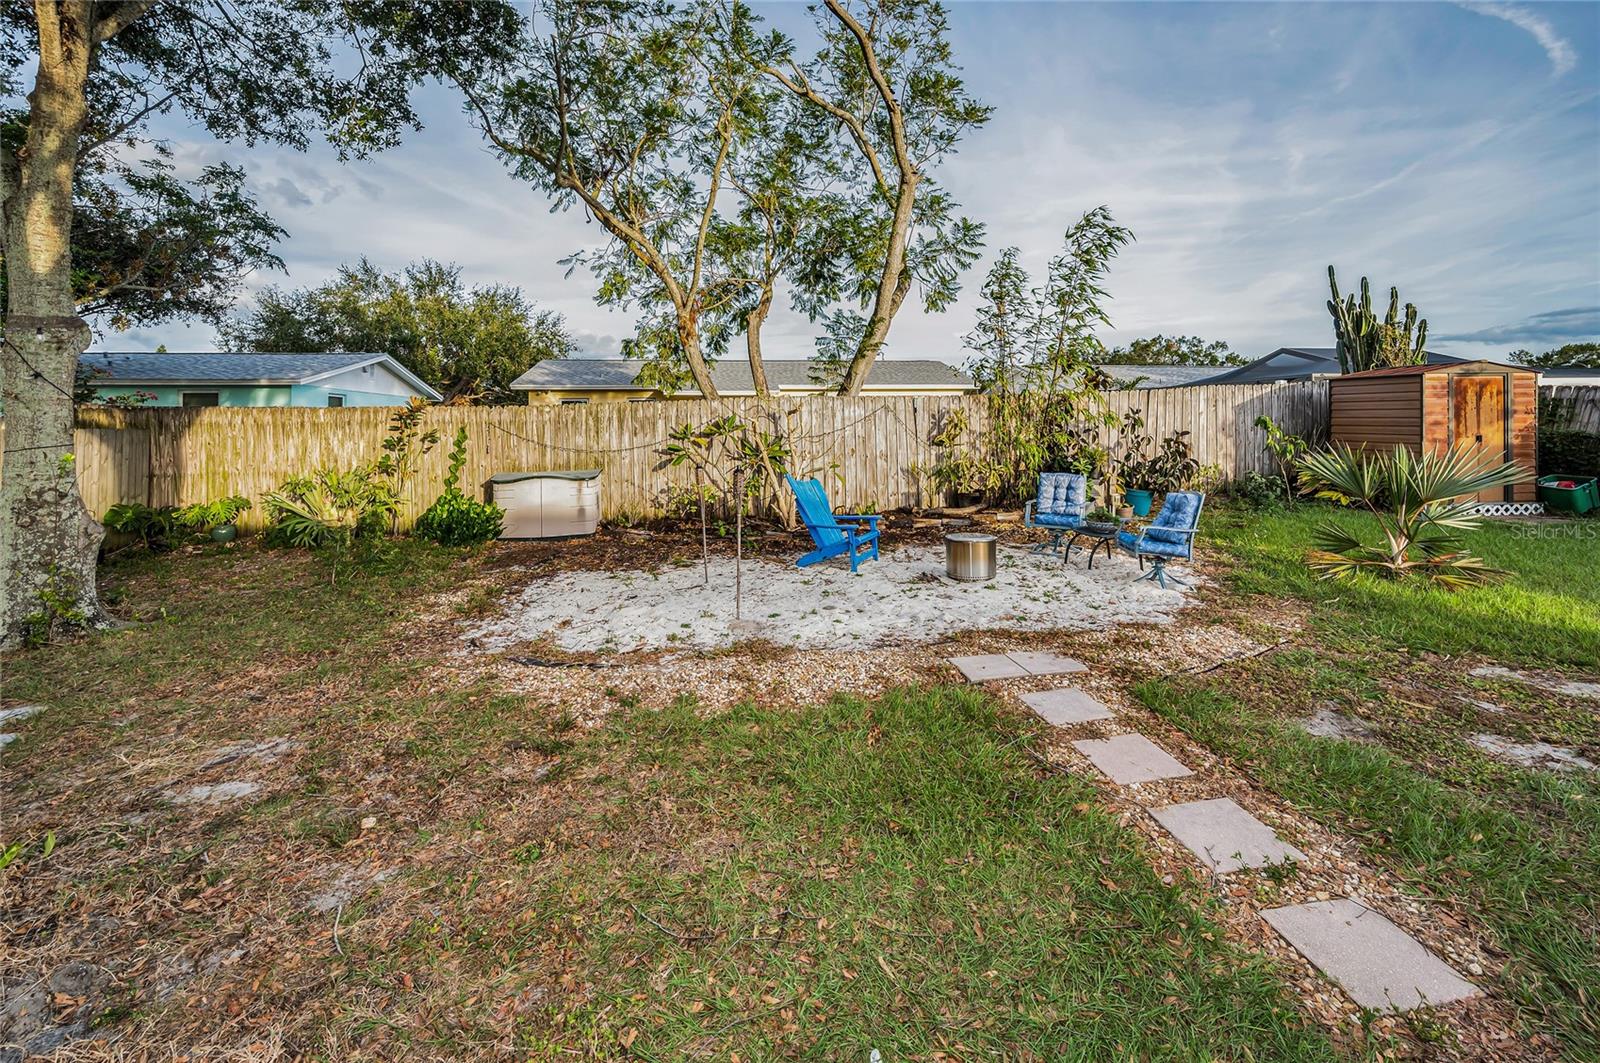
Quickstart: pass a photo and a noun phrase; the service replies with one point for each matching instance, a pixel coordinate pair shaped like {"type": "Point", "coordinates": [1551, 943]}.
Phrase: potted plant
{"type": "Point", "coordinates": [1100, 521]}
{"type": "Point", "coordinates": [1169, 469]}
{"type": "Point", "coordinates": [216, 517]}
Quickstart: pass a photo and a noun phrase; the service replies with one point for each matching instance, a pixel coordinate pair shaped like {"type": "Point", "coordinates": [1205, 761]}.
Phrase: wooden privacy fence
{"type": "Point", "coordinates": [1577, 408]}
{"type": "Point", "coordinates": [868, 451]}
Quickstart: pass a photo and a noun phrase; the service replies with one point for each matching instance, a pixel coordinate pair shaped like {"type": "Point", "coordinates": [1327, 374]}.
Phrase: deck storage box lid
{"type": "Point", "coordinates": [549, 504]}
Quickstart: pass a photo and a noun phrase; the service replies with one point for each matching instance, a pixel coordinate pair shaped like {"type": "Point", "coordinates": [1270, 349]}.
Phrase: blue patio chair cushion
{"type": "Point", "coordinates": [1058, 520]}
{"type": "Point", "coordinates": [1136, 544]}
{"type": "Point", "coordinates": [1174, 524]}
{"type": "Point", "coordinates": [1063, 494]}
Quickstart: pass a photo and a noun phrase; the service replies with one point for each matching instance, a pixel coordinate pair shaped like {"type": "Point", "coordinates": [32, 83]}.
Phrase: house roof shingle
{"type": "Point", "coordinates": [174, 367]}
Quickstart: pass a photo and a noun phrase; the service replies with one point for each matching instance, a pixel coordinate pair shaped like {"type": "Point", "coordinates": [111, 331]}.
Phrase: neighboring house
{"type": "Point", "coordinates": [582, 380]}
{"type": "Point", "coordinates": [1568, 375]}
{"type": "Point", "coordinates": [1296, 363]}
{"type": "Point", "coordinates": [254, 379]}
{"type": "Point", "coordinates": [1157, 376]}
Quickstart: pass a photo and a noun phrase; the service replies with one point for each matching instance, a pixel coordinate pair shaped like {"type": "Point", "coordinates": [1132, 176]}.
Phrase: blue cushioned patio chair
{"type": "Point", "coordinates": [831, 537]}
{"type": "Point", "coordinates": [1170, 537]}
{"type": "Point", "coordinates": [1062, 504]}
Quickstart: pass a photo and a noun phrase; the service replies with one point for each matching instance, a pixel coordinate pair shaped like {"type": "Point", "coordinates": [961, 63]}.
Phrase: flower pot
{"type": "Point", "coordinates": [1140, 501]}
{"type": "Point", "coordinates": [224, 533]}
{"type": "Point", "coordinates": [1099, 527]}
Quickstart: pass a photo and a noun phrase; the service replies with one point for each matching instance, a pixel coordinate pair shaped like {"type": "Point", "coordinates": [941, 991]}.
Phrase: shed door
{"type": "Point", "coordinates": [1478, 422]}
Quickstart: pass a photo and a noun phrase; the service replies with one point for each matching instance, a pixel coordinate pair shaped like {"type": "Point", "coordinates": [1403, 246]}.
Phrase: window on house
{"type": "Point", "coordinates": [574, 402]}
{"type": "Point", "coordinates": [200, 398]}
{"type": "Point", "coordinates": [335, 400]}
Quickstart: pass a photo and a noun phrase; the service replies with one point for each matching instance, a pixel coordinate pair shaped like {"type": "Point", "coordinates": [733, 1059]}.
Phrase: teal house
{"type": "Point", "coordinates": [247, 379]}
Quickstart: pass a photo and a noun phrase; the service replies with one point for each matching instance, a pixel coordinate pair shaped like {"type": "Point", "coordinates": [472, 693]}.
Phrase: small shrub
{"type": "Point", "coordinates": [203, 516]}
{"type": "Point", "coordinates": [454, 519]}
{"type": "Point", "coordinates": [156, 528]}
{"type": "Point", "coordinates": [1568, 452]}
{"type": "Point", "coordinates": [1258, 491]}
{"type": "Point", "coordinates": [330, 508]}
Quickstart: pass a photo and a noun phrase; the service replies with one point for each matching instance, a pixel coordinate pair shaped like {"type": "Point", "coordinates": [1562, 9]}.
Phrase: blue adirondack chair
{"type": "Point", "coordinates": [1170, 537]}
{"type": "Point", "coordinates": [832, 538]}
{"type": "Point", "coordinates": [1061, 506]}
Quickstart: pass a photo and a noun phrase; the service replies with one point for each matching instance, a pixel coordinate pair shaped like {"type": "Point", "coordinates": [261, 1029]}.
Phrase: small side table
{"type": "Point", "coordinates": [1105, 536]}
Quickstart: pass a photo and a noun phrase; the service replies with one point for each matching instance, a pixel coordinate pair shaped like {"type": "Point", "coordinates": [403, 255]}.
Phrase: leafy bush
{"type": "Point", "coordinates": [203, 516]}
{"type": "Point", "coordinates": [156, 528]}
{"type": "Point", "coordinates": [1286, 449]}
{"type": "Point", "coordinates": [1258, 491]}
{"type": "Point", "coordinates": [1567, 452]}
{"type": "Point", "coordinates": [1171, 468]}
{"type": "Point", "coordinates": [330, 508]}
{"type": "Point", "coordinates": [454, 519]}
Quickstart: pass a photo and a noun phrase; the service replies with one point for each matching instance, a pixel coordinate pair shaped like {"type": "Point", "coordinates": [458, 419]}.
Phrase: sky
{"type": "Point", "coordinates": [1452, 150]}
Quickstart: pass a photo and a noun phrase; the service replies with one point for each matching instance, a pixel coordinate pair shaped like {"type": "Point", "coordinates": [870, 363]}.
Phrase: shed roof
{"type": "Point", "coordinates": [1298, 363]}
{"type": "Point", "coordinates": [732, 375]}
{"type": "Point", "coordinates": [230, 367]}
{"type": "Point", "coordinates": [1418, 370]}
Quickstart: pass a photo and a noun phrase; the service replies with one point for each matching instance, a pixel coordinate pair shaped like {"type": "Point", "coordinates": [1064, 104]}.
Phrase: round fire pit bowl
{"type": "Point", "coordinates": [969, 556]}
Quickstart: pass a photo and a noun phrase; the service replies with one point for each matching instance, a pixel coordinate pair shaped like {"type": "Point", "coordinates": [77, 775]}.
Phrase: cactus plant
{"type": "Point", "coordinates": [1364, 342]}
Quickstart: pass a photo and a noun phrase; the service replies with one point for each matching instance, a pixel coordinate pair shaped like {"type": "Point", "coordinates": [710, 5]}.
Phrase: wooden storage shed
{"type": "Point", "coordinates": [1484, 405]}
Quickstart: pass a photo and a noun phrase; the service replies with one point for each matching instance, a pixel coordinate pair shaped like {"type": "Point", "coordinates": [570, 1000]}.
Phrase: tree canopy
{"type": "Point", "coordinates": [1174, 350]}
{"type": "Point", "coordinates": [1573, 355]}
{"type": "Point", "coordinates": [721, 164]}
{"type": "Point", "coordinates": [468, 343]}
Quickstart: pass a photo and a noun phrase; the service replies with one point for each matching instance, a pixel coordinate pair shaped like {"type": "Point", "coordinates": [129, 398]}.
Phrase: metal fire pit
{"type": "Point", "coordinates": [969, 555]}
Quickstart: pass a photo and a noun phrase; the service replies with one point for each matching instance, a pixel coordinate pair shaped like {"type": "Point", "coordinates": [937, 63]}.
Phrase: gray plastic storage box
{"type": "Point", "coordinates": [547, 505]}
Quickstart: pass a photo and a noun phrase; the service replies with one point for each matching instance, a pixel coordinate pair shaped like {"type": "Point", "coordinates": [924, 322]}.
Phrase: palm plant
{"type": "Point", "coordinates": [1422, 502]}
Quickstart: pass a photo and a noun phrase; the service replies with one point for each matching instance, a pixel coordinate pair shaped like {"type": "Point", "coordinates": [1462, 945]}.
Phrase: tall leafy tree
{"type": "Point", "coordinates": [1034, 351]}
{"type": "Point", "coordinates": [468, 343]}
{"type": "Point", "coordinates": [635, 110]}
{"type": "Point", "coordinates": [1174, 350]}
{"type": "Point", "coordinates": [255, 70]}
{"type": "Point", "coordinates": [1576, 355]}
{"type": "Point", "coordinates": [886, 78]}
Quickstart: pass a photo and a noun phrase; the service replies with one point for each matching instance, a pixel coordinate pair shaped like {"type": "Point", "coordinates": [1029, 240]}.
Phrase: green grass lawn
{"type": "Point", "coordinates": [768, 882]}
{"type": "Point", "coordinates": [1518, 848]}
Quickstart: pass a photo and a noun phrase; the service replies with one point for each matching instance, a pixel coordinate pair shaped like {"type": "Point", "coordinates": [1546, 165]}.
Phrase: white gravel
{"type": "Point", "coordinates": [902, 597]}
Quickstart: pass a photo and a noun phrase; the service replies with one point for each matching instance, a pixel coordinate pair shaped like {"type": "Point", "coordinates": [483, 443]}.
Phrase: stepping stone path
{"type": "Point", "coordinates": [1066, 705]}
{"type": "Point", "coordinates": [988, 666]}
{"type": "Point", "coordinates": [1378, 964]}
{"type": "Point", "coordinates": [1224, 836]}
{"type": "Point", "coordinates": [1131, 758]}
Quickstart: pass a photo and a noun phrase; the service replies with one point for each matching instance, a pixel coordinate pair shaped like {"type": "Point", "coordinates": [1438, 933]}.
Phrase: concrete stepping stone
{"type": "Point", "coordinates": [988, 666]}
{"type": "Point", "coordinates": [1038, 663]}
{"type": "Point", "coordinates": [1224, 836]}
{"type": "Point", "coordinates": [1378, 964]}
{"type": "Point", "coordinates": [1066, 705]}
{"type": "Point", "coordinates": [1131, 758]}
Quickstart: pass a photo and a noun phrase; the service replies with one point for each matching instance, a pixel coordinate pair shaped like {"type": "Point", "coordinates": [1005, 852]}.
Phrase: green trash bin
{"type": "Point", "coordinates": [1581, 497]}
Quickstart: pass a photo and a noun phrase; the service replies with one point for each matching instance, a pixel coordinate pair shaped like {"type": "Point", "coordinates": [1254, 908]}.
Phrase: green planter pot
{"type": "Point", "coordinates": [224, 533]}
{"type": "Point", "coordinates": [1140, 501]}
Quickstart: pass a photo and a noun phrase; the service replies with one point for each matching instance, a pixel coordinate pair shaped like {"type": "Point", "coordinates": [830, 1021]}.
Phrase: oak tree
{"type": "Point", "coordinates": [252, 70]}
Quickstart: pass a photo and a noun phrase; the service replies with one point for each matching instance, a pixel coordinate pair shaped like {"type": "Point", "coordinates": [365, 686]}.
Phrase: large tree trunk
{"type": "Point", "coordinates": [752, 340]}
{"type": "Point", "coordinates": [893, 284]}
{"type": "Point", "coordinates": [48, 540]}
{"type": "Point", "coordinates": [694, 354]}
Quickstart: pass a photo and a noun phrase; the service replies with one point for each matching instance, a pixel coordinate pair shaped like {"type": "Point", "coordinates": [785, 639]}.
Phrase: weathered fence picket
{"type": "Point", "coordinates": [871, 451]}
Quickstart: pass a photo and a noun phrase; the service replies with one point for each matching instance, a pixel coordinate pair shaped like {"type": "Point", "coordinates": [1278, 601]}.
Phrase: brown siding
{"type": "Point", "coordinates": [1375, 413]}
{"type": "Point", "coordinates": [1524, 431]}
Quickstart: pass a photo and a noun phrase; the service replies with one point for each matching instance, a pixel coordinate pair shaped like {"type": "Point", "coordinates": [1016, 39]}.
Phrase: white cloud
{"type": "Point", "coordinates": [1563, 57]}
